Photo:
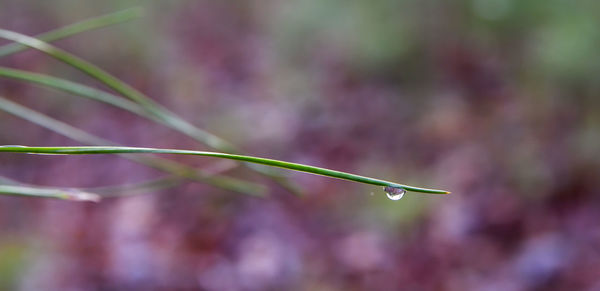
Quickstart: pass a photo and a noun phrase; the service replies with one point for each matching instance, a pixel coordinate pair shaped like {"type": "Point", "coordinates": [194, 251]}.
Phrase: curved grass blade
{"type": "Point", "coordinates": [75, 89]}
{"type": "Point", "coordinates": [165, 165]}
{"type": "Point", "coordinates": [66, 194]}
{"type": "Point", "coordinates": [150, 106]}
{"type": "Point", "coordinates": [250, 159]}
{"type": "Point", "coordinates": [108, 98]}
{"type": "Point", "coordinates": [122, 88]}
{"type": "Point", "coordinates": [76, 28]}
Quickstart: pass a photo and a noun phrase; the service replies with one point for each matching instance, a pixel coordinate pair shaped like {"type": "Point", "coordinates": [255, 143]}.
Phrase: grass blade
{"type": "Point", "coordinates": [112, 191]}
{"type": "Point", "coordinates": [112, 82]}
{"type": "Point", "coordinates": [150, 106]}
{"type": "Point", "coordinates": [155, 162]}
{"type": "Point", "coordinates": [76, 28]}
{"type": "Point", "coordinates": [66, 194]}
{"type": "Point", "coordinates": [11, 187]}
{"type": "Point", "coordinates": [75, 89]}
{"type": "Point", "coordinates": [250, 159]}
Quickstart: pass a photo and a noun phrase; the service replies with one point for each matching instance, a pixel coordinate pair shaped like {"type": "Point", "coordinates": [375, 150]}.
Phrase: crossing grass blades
{"type": "Point", "coordinates": [134, 101]}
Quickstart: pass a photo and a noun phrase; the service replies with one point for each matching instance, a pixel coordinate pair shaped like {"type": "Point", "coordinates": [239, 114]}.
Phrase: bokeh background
{"type": "Point", "coordinates": [494, 100]}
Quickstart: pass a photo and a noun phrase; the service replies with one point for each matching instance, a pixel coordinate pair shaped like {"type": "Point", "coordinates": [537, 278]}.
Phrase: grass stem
{"type": "Point", "coordinates": [251, 159]}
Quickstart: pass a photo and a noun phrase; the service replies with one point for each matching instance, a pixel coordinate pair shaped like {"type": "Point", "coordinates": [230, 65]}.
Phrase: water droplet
{"type": "Point", "coordinates": [394, 193]}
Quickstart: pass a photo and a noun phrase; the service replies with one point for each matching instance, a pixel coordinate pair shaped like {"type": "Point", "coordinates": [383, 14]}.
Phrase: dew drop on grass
{"type": "Point", "coordinates": [394, 193]}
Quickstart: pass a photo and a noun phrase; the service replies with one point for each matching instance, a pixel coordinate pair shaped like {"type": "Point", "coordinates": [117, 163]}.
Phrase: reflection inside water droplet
{"type": "Point", "coordinates": [394, 193]}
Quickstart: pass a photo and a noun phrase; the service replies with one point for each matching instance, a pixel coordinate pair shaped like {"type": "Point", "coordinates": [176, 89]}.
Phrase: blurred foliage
{"type": "Point", "coordinates": [496, 100]}
{"type": "Point", "coordinates": [12, 262]}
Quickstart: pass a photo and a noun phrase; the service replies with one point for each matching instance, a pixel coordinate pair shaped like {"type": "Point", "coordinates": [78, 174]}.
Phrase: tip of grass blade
{"type": "Point", "coordinates": [269, 162]}
{"type": "Point", "coordinates": [443, 192]}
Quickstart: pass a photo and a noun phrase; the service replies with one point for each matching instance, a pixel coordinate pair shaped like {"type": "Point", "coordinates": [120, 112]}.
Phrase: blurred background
{"type": "Point", "coordinates": [494, 100]}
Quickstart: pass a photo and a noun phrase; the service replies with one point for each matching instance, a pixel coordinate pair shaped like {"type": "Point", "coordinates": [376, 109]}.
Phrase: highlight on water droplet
{"type": "Point", "coordinates": [394, 193]}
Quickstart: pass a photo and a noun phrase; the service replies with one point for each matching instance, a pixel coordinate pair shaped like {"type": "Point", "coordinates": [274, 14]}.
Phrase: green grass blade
{"type": "Point", "coordinates": [150, 106]}
{"type": "Point", "coordinates": [250, 159]}
{"type": "Point", "coordinates": [95, 94]}
{"type": "Point", "coordinates": [66, 194]}
{"type": "Point", "coordinates": [75, 89]}
{"type": "Point", "coordinates": [112, 82]}
{"type": "Point", "coordinates": [76, 28]}
{"type": "Point", "coordinates": [113, 191]}
{"type": "Point", "coordinates": [155, 162]}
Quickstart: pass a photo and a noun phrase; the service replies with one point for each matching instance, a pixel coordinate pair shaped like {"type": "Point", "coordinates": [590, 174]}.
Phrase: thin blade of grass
{"type": "Point", "coordinates": [114, 191]}
{"type": "Point", "coordinates": [58, 193]}
{"type": "Point", "coordinates": [150, 106]}
{"type": "Point", "coordinates": [269, 162]}
{"type": "Point", "coordinates": [165, 165]}
{"type": "Point", "coordinates": [76, 28]}
{"type": "Point", "coordinates": [75, 89]}
{"type": "Point", "coordinates": [90, 93]}
{"type": "Point", "coordinates": [112, 82]}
